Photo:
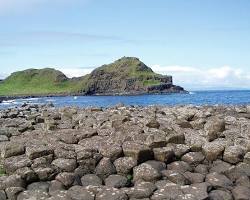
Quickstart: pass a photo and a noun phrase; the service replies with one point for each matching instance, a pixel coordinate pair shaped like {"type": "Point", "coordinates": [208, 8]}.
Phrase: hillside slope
{"type": "Point", "coordinates": [127, 75]}
{"type": "Point", "coordinates": [38, 82]}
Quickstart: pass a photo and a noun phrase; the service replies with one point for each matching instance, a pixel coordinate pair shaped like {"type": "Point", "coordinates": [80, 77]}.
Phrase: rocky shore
{"type": "Point", "coordinates": [125, 153]}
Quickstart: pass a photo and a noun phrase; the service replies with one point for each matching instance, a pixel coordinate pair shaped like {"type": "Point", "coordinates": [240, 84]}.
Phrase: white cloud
{"type": "Point", "coordinates": [211, 78]}
{"type": "Point", "coordinates": [75, 72]}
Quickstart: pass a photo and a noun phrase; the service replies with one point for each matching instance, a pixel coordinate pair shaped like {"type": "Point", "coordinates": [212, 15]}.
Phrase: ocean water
{"type": "Point", "coordinates": [193, 98]}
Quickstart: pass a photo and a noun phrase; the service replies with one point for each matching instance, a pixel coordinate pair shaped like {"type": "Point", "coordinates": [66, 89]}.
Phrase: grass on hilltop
{"type": "Point", "coordinates": [39, 82]}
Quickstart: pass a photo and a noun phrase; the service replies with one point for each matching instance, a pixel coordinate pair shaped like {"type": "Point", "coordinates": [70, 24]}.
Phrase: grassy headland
{"type": "Point", "coordinates": [122, 76]}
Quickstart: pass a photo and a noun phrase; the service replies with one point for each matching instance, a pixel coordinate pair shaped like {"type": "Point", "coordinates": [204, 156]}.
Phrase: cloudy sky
{"type": "Point", "coordinates": [203, 44]}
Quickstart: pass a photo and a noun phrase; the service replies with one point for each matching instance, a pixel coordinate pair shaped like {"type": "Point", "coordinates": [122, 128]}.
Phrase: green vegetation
{"type": "Point", "coordinates": [39, 82]}
{"type": "Point", "coordinates": [151, 82]}
{"type": "Point", "coordinates": [49, 81]}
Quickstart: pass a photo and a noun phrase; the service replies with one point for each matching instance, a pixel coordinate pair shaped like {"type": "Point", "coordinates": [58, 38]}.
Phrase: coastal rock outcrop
{"type": "Point", "coordinates": [126, 76]}
{"type": "Point", "coordinates": [125, 152]}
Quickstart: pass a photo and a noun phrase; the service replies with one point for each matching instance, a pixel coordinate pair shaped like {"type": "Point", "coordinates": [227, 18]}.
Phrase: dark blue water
{"type": "Point", "coordinates": [195, 98]}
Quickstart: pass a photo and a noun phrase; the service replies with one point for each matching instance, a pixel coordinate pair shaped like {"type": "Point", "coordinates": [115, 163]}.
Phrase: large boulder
{"type": "Point", "coordinates": [124, 165]}
{"type": "Point", "coordinates": [12, 149]}
{"type": "Point", "coordinates": [16, 162]}
{"type": "Point", "coordinates": [116, 181]}
{"type": "Point", "coordinates": [65, 165]}
{"type": "Point", "coordinates": [212, 150]}
{"type": "Point", "coordinates": [214, 127]}
{"type": "Point", "coordinates": [36, 151]}
{"type": "Point", "coordinates": [233, 154]}
{"type": "Point", "coordinates": [91, 179]}
{"type": "Point", "coordinates": [164, 154]}
{"type": "Point", "coordinates": [105, 168]}
{"type": "Point", "coordinates": [219, 181]}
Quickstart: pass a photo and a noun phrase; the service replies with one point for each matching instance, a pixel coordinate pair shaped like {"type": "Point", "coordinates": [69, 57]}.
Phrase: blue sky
{"type": "Point", "coordinates": [202, 43]}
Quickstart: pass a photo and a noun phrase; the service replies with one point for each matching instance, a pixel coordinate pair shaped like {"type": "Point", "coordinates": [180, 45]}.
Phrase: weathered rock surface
{"type": "Point", "coordinates": [125, 153]}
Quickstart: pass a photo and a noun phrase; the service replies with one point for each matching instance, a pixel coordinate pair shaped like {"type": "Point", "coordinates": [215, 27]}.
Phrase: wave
{"type": "Point", "coordinates": [192, 93]}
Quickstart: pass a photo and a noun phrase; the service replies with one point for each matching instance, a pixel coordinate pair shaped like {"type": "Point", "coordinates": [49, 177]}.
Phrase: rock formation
{"type": "Point", "coordinates": [128, 75]}
{"type": "Point", "coordinates": [125, 153]}
{"type": "Point", "coordinates": [125, 76]}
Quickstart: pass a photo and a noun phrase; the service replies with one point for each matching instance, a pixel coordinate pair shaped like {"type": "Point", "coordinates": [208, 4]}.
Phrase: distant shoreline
{"type": "Point", "coordinates": [6, 98]}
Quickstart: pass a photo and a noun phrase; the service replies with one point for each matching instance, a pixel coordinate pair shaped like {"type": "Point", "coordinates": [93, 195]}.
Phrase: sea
{"type": "Point", "coordinates": [235, 97]}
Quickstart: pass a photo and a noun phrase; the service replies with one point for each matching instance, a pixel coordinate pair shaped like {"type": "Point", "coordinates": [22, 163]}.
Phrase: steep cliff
{"type": "Point", "coordinates": [128, 75]}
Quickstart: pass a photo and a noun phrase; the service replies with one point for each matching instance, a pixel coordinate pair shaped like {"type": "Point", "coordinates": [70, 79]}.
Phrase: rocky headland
{"type": "Point", "coordinates": [125, 153]}
{"type": "Point", "coordinates": [125, 76]}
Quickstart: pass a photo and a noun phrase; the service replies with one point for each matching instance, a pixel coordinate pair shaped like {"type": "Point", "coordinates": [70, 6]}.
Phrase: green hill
{"type": "Point", "coordinates": [38, 82]}
{"type": "Point", "coordinates": [127, 75]}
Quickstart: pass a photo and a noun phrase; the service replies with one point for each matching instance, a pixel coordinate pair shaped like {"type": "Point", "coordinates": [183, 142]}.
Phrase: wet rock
{"type": "Point", "coordinates": [91, 179]}
{"type": "Point", "coordinates": [233, 154]}
{"type": "Point", "coordinates": [124, 165]}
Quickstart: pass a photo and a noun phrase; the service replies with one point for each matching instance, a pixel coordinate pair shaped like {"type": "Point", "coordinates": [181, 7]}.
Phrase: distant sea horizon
{"type": "Point", "coordinates": [199, 98]}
